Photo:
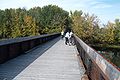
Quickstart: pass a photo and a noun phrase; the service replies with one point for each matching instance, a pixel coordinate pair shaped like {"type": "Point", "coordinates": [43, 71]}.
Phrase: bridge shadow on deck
{"type": "Point", "coordinates": [12, 68]}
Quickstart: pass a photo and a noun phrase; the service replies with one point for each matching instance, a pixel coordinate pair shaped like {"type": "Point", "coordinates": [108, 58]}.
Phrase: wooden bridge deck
{"type": "Point", "coordinates": [51, 61]}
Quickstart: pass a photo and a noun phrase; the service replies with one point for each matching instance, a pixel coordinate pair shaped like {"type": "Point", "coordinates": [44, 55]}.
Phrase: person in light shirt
{"type": "Point", "coordinates": [62, 34]}
{"type": "Point", "coordinates": [67, 36]}
{"type": "Point", "coordinates": [71, 39]}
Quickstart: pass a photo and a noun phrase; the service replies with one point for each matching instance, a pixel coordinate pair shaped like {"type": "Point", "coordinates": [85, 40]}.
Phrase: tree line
{"type": "Point", "coordinates": [51, 18]}
{"type": "Point", "coordinates": [88, 28]}
{"type": "Point", "coordinates": [35, 21]}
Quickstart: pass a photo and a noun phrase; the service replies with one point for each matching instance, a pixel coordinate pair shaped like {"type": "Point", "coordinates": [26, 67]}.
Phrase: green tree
{"type": "Point", "coordinates": [84, 25]}
{"type": "Point", "coordinates": [16, 29]}
{"type": "Point", "coordinates": [1, 23]}
{"type": "Point", "coordinates": [52, 18]}
{"type": "Point", "coordinates": [29, 27]}
{"type": "Point", "coordinates": [109, 33]}
{"type": "Point", "coordinates": [77, 23]}
{"type": "Point", "coordinates": [117, 31]}
{"type": "Point", "coordinates": [21, 22]}
{"type": "Point", "coordinates": [7, 23]}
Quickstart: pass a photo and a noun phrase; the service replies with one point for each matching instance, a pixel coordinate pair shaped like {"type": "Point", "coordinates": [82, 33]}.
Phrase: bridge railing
{"type": "Point", "coordinates": [97, 67]}
{"type": "Point", "coordinates": [13, 47]}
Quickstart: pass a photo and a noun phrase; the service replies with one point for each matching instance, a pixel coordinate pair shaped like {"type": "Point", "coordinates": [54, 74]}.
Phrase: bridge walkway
{"type": "Point", "coordinates": [50, 61]}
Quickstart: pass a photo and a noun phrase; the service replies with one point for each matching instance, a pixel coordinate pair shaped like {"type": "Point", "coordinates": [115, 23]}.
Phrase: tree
{"type": "Point", "coordinates": [7, 23]}
{"type": "Point", "coordinates": [1, 23]}
{"type": "Point", "coordinates": [16, 29]}
{"type": "Point", "coordinates": [117, 31]}
{"type": "Point", "coordinates": [109, 33]}
{"type": "Point", "coordinates": [77, 23]}
{"type": "Point", "coordinates": [84, 25]}
{"type": "Point", "coordinates": [29, 27]}
{"type": "Point", "coordinates": [21, 22]}
{"type": "Point", "coordinates": [53, 18]}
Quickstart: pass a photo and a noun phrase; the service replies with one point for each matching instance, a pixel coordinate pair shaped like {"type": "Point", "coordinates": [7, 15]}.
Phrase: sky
{"type": "Point", "coordinates": [106, 10]}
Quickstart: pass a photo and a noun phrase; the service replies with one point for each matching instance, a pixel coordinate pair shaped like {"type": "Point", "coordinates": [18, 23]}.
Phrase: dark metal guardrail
{"type": "Point", "coordinates": [14, 47]}
{"type": "Point", "coordinates": [97, 67]}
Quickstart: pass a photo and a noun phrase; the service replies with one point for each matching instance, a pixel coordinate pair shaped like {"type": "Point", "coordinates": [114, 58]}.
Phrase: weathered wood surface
{"type": "Point", "coordinates": [51, 61]}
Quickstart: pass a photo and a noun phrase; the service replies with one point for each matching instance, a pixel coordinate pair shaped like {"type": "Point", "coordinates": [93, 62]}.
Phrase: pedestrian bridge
{"type": "Point", "coordinates": [52, 60]}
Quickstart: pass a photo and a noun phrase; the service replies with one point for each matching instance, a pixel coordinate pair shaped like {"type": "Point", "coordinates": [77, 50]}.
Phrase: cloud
{"type": "Point", "coordinates": [101, 6]}
{"type": "Point", "coordinates": [95, 2]}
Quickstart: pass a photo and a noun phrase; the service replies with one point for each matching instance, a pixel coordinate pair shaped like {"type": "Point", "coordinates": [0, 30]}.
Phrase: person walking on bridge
{"type": "Point", "coordinates": [67, 36]}
{"type": "Point", "coordinates": [62, 34]}
{"type": "Point", "coordinates": [71, 40]}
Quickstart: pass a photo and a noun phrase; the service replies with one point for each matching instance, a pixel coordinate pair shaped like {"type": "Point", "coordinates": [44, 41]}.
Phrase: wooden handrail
{"type": "Point", "coordinates": [12, 48]}
{"type": "Point", "coordinates": [98, 68]}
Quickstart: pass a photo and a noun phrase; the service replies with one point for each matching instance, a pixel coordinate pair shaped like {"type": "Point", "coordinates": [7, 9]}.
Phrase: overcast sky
{"type": "Point", "coordinates": [106, 10]}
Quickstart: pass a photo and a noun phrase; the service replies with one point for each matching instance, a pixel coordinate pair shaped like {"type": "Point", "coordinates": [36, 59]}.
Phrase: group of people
{"type": "Point", "coordinates": [68, 37]}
